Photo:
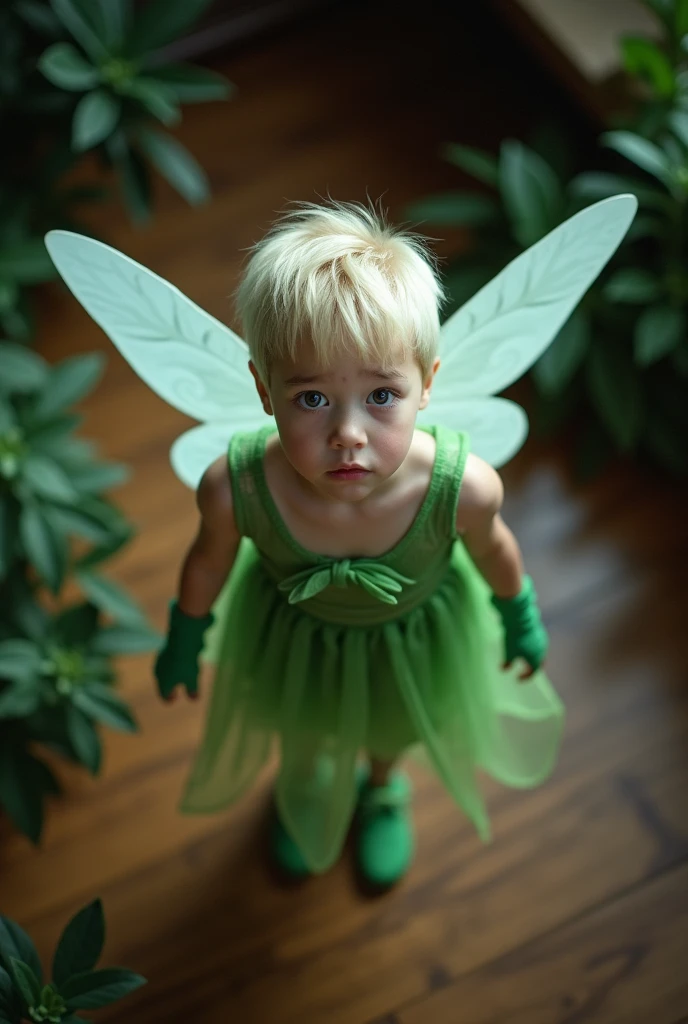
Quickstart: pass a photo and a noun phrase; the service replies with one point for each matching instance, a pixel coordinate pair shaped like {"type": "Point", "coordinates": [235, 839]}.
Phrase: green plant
{"type": "Point", "coordinates": [620, 363]}
{"type": "Point", "coordinates": [75, 984]}
{"type": "Point", "coordinates": [77, 76]}
{"type": "Point", "coordinates": [56, 675]}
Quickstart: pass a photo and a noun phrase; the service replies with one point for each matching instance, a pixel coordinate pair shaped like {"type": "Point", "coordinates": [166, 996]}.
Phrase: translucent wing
{"type": "Point", "coordinates": [193, 452]}
{"type": "Point", "coordinates": [497, 427]}
{"type": "Point", "coordinates": [499, 333]}
{"type": "Point", "coordinates": [185, 355]}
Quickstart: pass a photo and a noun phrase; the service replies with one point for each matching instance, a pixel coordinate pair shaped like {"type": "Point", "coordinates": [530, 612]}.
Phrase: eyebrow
{"type": "Point", "coordinates": [377, 372]}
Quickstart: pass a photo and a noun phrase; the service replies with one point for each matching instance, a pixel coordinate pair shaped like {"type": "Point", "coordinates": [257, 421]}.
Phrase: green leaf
{"type": "Point", "coordinates": [26, 262]}
{"type": "Point", "coordinates": [135, 184]}
{"type": "Point", "coordinates": [162, 21]}
{"type": "Point", "coordinates": [21, 370]}
{"type": "Point", "coordinates": [111, 598]}
{"type": "Point", "coordinates": [24, 782]}
{"type": "Point", "coordinates": [531, 192]}
{"type": "Point", "coordinates": [642, 152]}
{"type": "Point", "coordinates": [19, 659]}
{"type": "Point", "coordinates": [47, 479]}
{"type": "Point", "coordinates": [8, 534]}
{"type": "Point", "coordinates": [10, 1009]}
{"type": "Point", "coordinates": [115, 18]}
{"type": "Point", "coordinates": [14, 942]}
{"type": "Point", "coordinates": [38, 17]}
{"type": "Point", "coordinates": [191, 84]}
{"type": "Point", "coordinates": [26, 981]}
{"type": "Point", "coordinates": [64, 66]}
{"type": "Point", "coordinates": [177, 165]}
{"type": "Point", "coordinates": [52, 436]}
{"type": "Point", "coordinates": [75, 626]}
{"type": "Point", "coordinates": [98, 701]}
{"type": "Point", "coordinates": [156, 97]}
{"type": "Point", "coordinates": [678, 122]}
{"type": "Point", "coordinates": [20, 699]}
{"type": "Point", "coordinates": [102, 552]}
{"type": "Point", "coordinates": [659, 330]}
{"type": "Point", "coordinates": [557, 365]}
{"type": "Point", "coordinates": [101, 477]}
{"type": "Point", "coordinates": [81, 944]}
{"type": "Point", "coordinates": [81, 20]}
{"type": "Point", "coordinates": [95, 118]}
{"type": "Point", "coordinates": [70, 522]}
{"type": "Point", "coordinates": [69, 382]}
{"type": "Point", "coordinates": [599, 185]}
{"type": "Point", "coordinates": [114, 640]}
{"type": "Point", "coordinates": [681, 18]}
{"type": "Point", "coordinates": [455, 209]}
{"type": "Point", "coordinates": [86, 743]}
{"type": "Point", "coordinates": [475, 162]}
{"type": "Point", "coordinates": [89, 991]}
{"type": "Point", "coordinates": [46, 551]}
{"type": "Point", "coordinates": [644, 58]}
{"type": "Point", "coordinates": [614, 387]}
{"type": "Point", "coordinates": [633, 285]}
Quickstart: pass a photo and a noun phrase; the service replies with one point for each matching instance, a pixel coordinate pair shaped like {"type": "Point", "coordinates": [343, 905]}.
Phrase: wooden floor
{"type": "Point", "coordinates": [578, 911]}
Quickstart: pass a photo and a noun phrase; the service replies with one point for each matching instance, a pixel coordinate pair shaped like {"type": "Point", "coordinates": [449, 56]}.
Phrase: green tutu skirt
{"type": "Point", "coordinates": [430, 680]}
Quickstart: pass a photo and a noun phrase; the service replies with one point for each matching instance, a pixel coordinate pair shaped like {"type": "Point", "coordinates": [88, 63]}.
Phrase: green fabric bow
{"type": "Point", "coordinates": [378, 579]}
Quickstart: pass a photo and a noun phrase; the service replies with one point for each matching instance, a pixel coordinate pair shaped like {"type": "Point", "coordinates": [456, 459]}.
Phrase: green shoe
{"type": "Point", "coordinates": [285, 853]}
{"type": "Point", "coordinates": [385, 844]}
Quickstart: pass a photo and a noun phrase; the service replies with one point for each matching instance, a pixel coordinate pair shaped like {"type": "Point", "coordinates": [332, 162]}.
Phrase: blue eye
{"type": "Point", "coordinates": [382, 397]}
{"type": "Point", "coordinates": [311, 400]}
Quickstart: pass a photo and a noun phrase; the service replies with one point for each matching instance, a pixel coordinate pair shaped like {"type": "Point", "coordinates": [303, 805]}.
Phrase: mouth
{"type": "Point", "coordinates": [350, 472]}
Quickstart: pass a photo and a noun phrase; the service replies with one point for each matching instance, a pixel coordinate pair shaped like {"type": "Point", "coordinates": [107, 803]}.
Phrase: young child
{"type": "Point", "coordinates": [376, 599]}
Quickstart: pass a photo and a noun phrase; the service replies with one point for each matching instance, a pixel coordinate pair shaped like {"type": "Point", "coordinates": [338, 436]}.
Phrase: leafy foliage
{"type": "Point", "coordinates": [622, 358]}
{"type": "Point", "coordinates": [75, 984]}
{"type": "Point", "coordinates": [56, 675]}
{"type": "Point", "coordinates": [77, 76]}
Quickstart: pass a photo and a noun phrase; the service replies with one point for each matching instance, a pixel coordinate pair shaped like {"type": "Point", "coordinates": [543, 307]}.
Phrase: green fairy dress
{"type": "Point", "coordinates": [334, 657]}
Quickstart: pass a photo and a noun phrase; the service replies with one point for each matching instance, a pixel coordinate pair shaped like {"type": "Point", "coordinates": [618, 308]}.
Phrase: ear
{"type": "Point", "coordinates": [261, 389]}
{"type": "Point", "coordinates": [427, 384]}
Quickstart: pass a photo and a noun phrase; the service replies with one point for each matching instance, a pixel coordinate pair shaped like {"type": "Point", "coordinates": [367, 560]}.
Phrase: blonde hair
{"type": "Point", "coordinates": [342, 277]}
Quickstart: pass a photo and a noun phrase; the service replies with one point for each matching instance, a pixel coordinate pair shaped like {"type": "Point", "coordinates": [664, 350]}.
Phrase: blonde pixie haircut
{"type": "Point", "coordinates": [339, 275]}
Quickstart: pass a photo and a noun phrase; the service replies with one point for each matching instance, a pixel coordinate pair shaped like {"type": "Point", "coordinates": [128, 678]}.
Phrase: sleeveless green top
{"type": "Point", "coordinates": [351, 591]}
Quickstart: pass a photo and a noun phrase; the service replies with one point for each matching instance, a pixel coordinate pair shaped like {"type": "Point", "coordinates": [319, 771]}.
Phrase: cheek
{"type": "Point", "coordinates": [299, 440]}
{"type": "Point", "coordinates": [394, 441]}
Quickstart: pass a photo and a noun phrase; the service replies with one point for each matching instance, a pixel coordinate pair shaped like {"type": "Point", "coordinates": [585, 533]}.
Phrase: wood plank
{"type": "Point", "coordinates": [623, 964]}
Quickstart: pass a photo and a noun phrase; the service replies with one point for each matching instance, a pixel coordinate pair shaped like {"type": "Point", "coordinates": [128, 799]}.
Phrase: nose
{"type": "Point", "coordinates": [348, 433]}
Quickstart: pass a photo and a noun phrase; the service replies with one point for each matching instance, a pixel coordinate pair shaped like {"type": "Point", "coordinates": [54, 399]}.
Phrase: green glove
{"type": "Point", "coordinates": [178, 660]}
{"type": "Point", "coordinates": [524, 633]}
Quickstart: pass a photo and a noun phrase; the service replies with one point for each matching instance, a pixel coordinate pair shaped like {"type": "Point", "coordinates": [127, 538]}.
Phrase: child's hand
{"type": "Point", "coordinates": [177, 663]}
{"type": "Point", "coordinates": [171, 671]}
{"type": "Point", "coordinates": [524, 634]}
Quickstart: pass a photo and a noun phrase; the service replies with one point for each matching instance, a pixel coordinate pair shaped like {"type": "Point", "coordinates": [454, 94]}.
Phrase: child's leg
{"type": "Point", "coordinates": [385, 836]}
{"type": "Point", "coordinates": [380, 771]}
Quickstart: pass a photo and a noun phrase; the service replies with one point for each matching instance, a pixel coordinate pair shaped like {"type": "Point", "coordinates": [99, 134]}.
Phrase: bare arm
{"type": "Point", "coordinates": [488, 539]}
{"type": "Point", "coordinates": [212, 554]}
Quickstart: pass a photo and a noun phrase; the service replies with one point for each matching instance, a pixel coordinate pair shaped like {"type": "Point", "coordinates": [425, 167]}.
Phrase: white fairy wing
{"type": "Point", "coordinates": [195, 450]}
{"type": "Point", "coordinates": [186, 356]}
{"type": "Point", "coordinates": [496, 427]}
{"type": "Point", "coordinates": [499, 333]}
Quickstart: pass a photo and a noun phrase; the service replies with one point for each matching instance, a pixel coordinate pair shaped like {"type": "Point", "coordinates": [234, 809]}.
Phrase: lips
{"type": "Point", "coordinates": [349, 472]}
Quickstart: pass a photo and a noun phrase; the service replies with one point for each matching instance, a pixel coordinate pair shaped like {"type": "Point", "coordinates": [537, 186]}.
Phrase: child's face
{"type": "Point", "coordinates": [346, 415]}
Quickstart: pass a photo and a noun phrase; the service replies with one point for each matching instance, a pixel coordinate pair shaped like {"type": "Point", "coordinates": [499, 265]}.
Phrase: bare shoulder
{"type": "Point", "coordinates": [481, 495]}
{"type": "Point", "coordinates": [214, 497]}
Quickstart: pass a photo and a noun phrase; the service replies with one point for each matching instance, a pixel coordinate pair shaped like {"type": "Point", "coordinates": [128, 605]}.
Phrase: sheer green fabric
{"type": "Point", "coordinates": [331, 657]}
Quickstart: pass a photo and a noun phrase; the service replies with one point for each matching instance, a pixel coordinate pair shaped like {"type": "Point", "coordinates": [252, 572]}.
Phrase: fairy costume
{"type": "Point", "coordinates": [339, 656]}
{"type": "Point", "coordinates": [334, 656]}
